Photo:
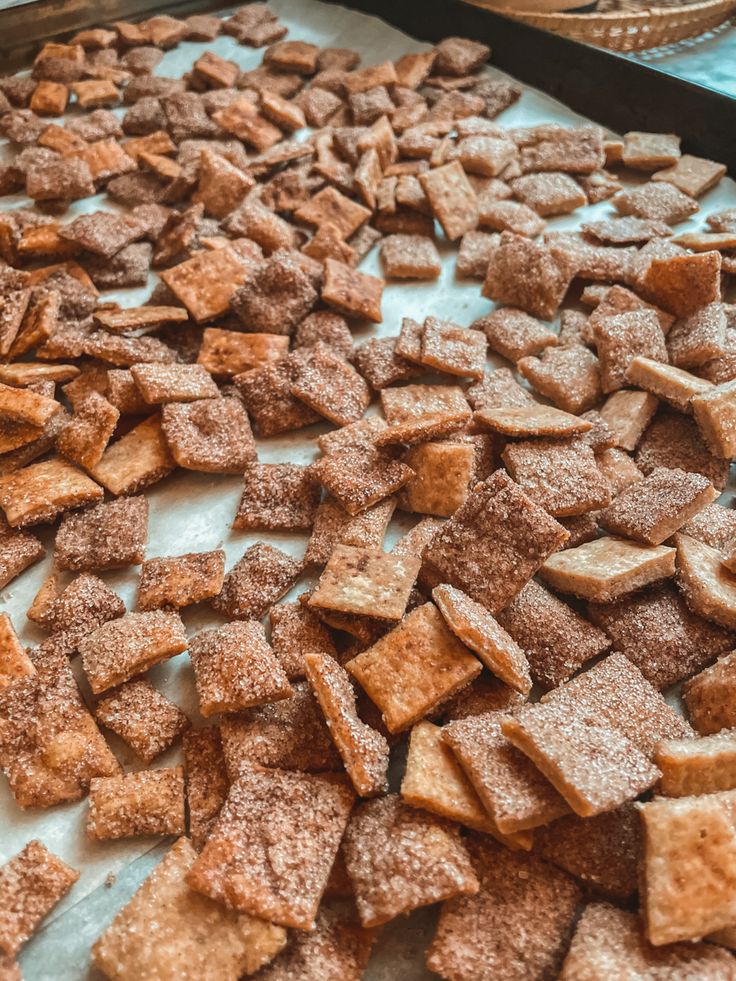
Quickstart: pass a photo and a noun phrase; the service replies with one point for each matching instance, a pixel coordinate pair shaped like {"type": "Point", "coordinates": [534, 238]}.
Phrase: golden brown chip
{"type": "Point", "coordinates": [84, 438]}
{"type": "Point", "coordinates": [707, 585]}
{"type": "Point", "coordinates": [207, 782]}
{"type": "Point", "coordinates": [150, 802]}
{"type": "Point", "coordinates": [452, 199]}
{"type": "Point", "coordinates": [14, 660]}
{"type": "Point", "coordinates": [225, 353]}
{"type": "Point", "coordinates": [715, 412]}
{"type": "Point", "coordinates": [399, 859]}
{"type": "Point", "coordinates": [109, 535]}
{"type": "Point", "coordinates": [167, 930]}
{"type": "Point", "coordinates": [136, 460]}
{"type": "Point", "coordinates": [710, 697]}
{"type": "Point", "coordinates": [206, 282]}
{"type": "Point", "coordinates": [180, 580]}
{"type": "Point", "coordinates": [236, 865]}
{"type": "Point", "coordinates": [31, 884]}
{"type": "Point", "coordinates": [143, 718]}
{"type": "Point", "coordinates": [159, 383]}
{"type": "Point", "coordinates": [333, 526]}
{"type": "Point", "coordinates": [351, 292]}
{"type": "Point", "coordinates": [683, 284]}
{"type": "Point", "coordinates": [444, 471]}
{"type": "Point", "coordinates": [257, 581]}
{"type": "Point", "coordinates": [365, 582]}
{"type": "Point", "coordinates": [533, 420]}
{"type": "Point", "coordinates": [697, 766]}
{"type": "Point", "coordinates": [40, 492]}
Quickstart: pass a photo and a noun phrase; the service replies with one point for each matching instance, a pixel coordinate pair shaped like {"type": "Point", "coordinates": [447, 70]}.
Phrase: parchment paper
{"type": "Point", "coordinates": [194, 512]}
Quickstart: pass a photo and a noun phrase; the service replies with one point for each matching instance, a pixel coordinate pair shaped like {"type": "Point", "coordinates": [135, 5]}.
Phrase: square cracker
{"type": "Point", "coordinates": [510, 787]}
{"type": "Point", "coordinates": [236, 867]}
{"type": "Point", "coordinates": [653, 509]}
{"type": "Point", "coordinates": [657, 202]}
{"type": "Point", "coordinates": [359, 477]}
{"type": "Point", "coordinates": [149, 802]}
{"type": "Point", "coordinates": [363, 750]}
{"type": "Point", "coordinates": [256, 581]}
{"type": "Point", "coordinates": [225, 353]}
{"type": "Point", "coordinates": [434, 781]}
{"type": "Point", "coordinates": [444, 471]}
{"type": "Point", "coordinates": [493, 544]}
{"type": "Point", "coordinates": [50, 747]}
{"type": "Point", "coordinates": [206, 282]}
{"type": "Point", "coordinates": [330, 386]}
{"type": "Point", "coordinates": [267, 396]}
{"type": "Point", "coordinates": [627, 414]}
{"type": "Point", "coordinates": [452, 199]}
{"type": "Point", "coordinates": [453, 349]}
{"type": "Point", "coordinates": [166, 930]}
{"type": "Point", "coordinates": [235, 668]}
{"type": "Point", "coordinates": [673, 440]}
{"type": "Point", "coordinates": [277, 496]}
{"type": "Point", "coordinates": [710, 697]}
{"type": "Point", "coordinates": [715, 412]}
{"type": "Point", "coordinates": [523, 904]}
{"type": "Point", "coordinates": [334, 526]}
{"type": "Point", "coordinates": [413, 401]}
{"type": "Point", "coordinates": [399, 859]}
{"type": "Point", "coordinates": [42, 491]}
{"type": "Point", "coordinates": [31, 884]}
{"type": "Point", "coordinates": [295, 632]}
{"type": "Point", "coordinates": [607, 936]}
{"type": "Point", "coordinates": [180, 580]}
{"type": "Point", "coordinates": [14, 660]}
{"type": "Point", "coordinates": [562, 476]}
{"type": "Point", "coordinates": [206, 780]}
{"type": "Point", "coordinates": [18, 550]}
{"type": "Point", "coordinates": [621, 338]}
{"type": "Point", "coordinates": [410, 257]}
{"type": "Point", "coordinates": [603, 852]}
{"type": "Point", "coordinates": [514, 334]}
{"type": "Point", "coordinates": [689, 866]}
{"type": "Point", "coordinates": [569, 376]}
{"type": "Point", "coordinates": [708, 586]}
{"type": "Point", "coordinates": [109, 535]}
{"type": "Point", "coordinates": [413, 668]}
{"type": "Point", "coordinates": [531, 419]}
{"type": "Point", "coordinates": [290, 734]}
{"type": "Point", "coordinates": [702, 765]}
{"type": "Point", "coordinates": [607, 568]}
{"type": "Point", "coordinates": [477, 629]}
{"type": "Point", "coordinates": [120, 649]}
{"type": "Point", "coordinates": [659, 634]}
{"type": "Point", "coordinates": [529, 275]}
{"type": "Point", "coordinates": [84, 438]}
{"type": "Point", "coordinates": [210, 435]}
{"type": "Point", "coordinates": [692, 175]}
{"type": "Point", "coordinates": [136, 460]}
{"type": "Point", "coordinates": [366, 582]}
{"type": "Point", "coordinates": [143, 718]}
{"type": "Point", "coordinates": [682, 284]}
{"type": "Point", "coordinates": [160, 383]}
{"type": "Point", "coordinates": [353, 293]}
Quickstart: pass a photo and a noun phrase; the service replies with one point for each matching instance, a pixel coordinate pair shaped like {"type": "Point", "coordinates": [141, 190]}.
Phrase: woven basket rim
{"type": "Point", "coordinates": [618, 17]}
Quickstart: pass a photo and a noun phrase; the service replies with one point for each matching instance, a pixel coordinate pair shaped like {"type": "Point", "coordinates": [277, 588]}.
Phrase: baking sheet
{"type": "Point", "coordinates": [193, 512]}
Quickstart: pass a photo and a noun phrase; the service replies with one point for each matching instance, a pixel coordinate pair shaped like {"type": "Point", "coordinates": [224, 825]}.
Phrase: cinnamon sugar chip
{"type": "Point", "coordinates": [715, 411]}
{"type": "Point", "coordinates": [109, 535]}
{"type": "Point", "coordinates": [607, 568]}
{"type": "Point", "coordinates": [159, 383]}
{"type": "Point", "coordinates": [399, 859]}
{"type": "Point", "coordinates": [31, 884]}
{"type": "Point", "coordinates": [14, 661]}
{"type": "Point", "coordinates": [697, 766]}
{"type": "Point", "coordinates": [136, 460]}
{"type": "Point", "coordinates": [692, 175]}
{"type": "Point", "coordinates": [562, 476]}
{"type": "Point", "coordinates": [474, 254]}
{"type": "Point", "coordinates": [123, 648]}
{"type": "Point", "coordinates": [295, 632]}
{"type": "Point", "coordinates": [277, 496]}
{"type": "Point", "coordinates": [607, 938]}
{"type": "Point", "coordinates": [356, 294]}
{"type": "Point", "coordinates": [434, 781]}
{"type": "Point", "coordinates": [660, 635]}
{"type": "Point", "coordinates": [267, 395]}
{"type": "Point", "coordinates": [682, 284]}
{"type": "Point", "coordinates": [235, 668]}
{"type": "Point", "coordinates": [657, 202]}
{"type": "Point", "coordinates": [452, 199]}
{"type": "Point", "coordinates": [181, 580]}
{"type": "Point", "coordinates": [493, 544]}
{"type": "Point", "coordinates": [514, 334]}
{"type": "Point", "coordinates": [549, 193]}
{"type": "Point", "coordinates": [330, 206]}
{"type": "Point", "coordinates": [625, 231]}
{"type": "Point", "coordinates": [259, 579]}
{"type": "Point", "coordinates": [511, 216]}
{"type": "Point", "coordinates": [143, 718]}
{"type": "Point", "coordinates": [531, 276]}
{"type": "Point", "coordinates": [323, 327]}
{"type": "Point", "coordinates": [363, 750]}
{"type": "Point", "coordinates": [715, 525]}
{"type": "Point", "coordinates": [710, 697]}
{"type": "Point", "coordinates": [498, 390]}
{"type": "Point", "coordinates": [84, 438]}
{"type": "Point", "coordinates": [359, 477]}
{"type": "Point", "coordinates": [532, 420]}
{"type": "Point", "coordinates": [206, 282]}
{"type": "Point", "coordinates": [290, 734]}
{"type": "Point", "coordinates": [25, 405]}
{"type": "Point", "coordinates": [523, 904]}
{"type": "Point", "coordinates": [674, 441]}
{"type": "Point", "coordinates": [50, 747]}
{"type": "Point", "coordinates": [450, 348]}
{"type": "Point", "coordinates": [621, 338]}
{"type": "Point", "coordinates": [413, 668]}
{"type": "Point", "coordinates": [410, 257]}
{"type": "Point", "coordinates": [207, 782]}
{"type": "Point", "coordinates": [367, 583]}
{"type": "Point", "coordinates": [18, 550]}
{"type": "Point", "coordinates": [150, 802]}
{"type": "Point", "coordinates": [167, 929]}
{"type": "Point", "coordinates": [618, 468]}
{"type": "Point", "coordinates": [277, 294]}
{"type": "Point", "coordinates": [225, 353]}
{"type": "Point", "coordinates": [479, 631]}
{"type": "Point", "coordinates": [72, 613]}
{"type": "Point", "coordinates": [653, 509]}
{"type": "Point", "coordinates": [603, 852]}
{"type": "Point", "coordinates": [627, 414]}
{"type": "Point", "coordinates": [444, 472]}
{"type": "Point", "coordinates": [686, 841]}
{"type": "Point", "coordinates": [699, 337]}
{"type": "Point", "coordinates": [333, 526]}
{"type": "Point", "coordinates": [650, 151]}
{"type": "Point", "coordinates": [414, 401]}
{"type": "Point", "coordinates": [42, 491]}
{"type": "Point", "coordinates": [422, 429]}
{"type": "Point", "coordinates": [330, 386]}
{"type": "Point", "coordinates": [377, 361]}
{"type": "Point", "coordinates": [308, 814]}
{"type": "Point", "coordinates": [569, 376]}
{"type": "Point", "coordinates": [707, 585]}
{"type": "Point", "coordinates": [210, 435]}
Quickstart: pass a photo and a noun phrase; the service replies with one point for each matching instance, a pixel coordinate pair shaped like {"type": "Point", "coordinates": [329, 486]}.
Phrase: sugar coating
{"type": "Point", "coordinates": [674, 441]}
{"type": "Point", "coordinates": [562, 476]}
{"type": "Point", "coordinates": [106, 536]}
{"type": "Point", "coordinates": [514, 334]}
{"type": "Point", "coordinates": [150, 802]}
{"type": "Point", "coordinates": [361, 477]}
{"type": "Point", "coordinates": [330, 386]}
{"type": "Point", "coordinates": [277, 496]}
{"type": "Point", "coordinates": [143, 718]}
{"type": "Point", "coordinates": [547, 273]}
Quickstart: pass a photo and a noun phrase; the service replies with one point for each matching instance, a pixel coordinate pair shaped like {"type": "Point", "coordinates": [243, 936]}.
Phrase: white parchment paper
{"type": "Point", "coordinates": [194, 512]}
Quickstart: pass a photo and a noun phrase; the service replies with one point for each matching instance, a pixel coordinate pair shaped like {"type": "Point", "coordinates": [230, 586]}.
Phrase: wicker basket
{"type": "Point", "coordinates": [627, 31]}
